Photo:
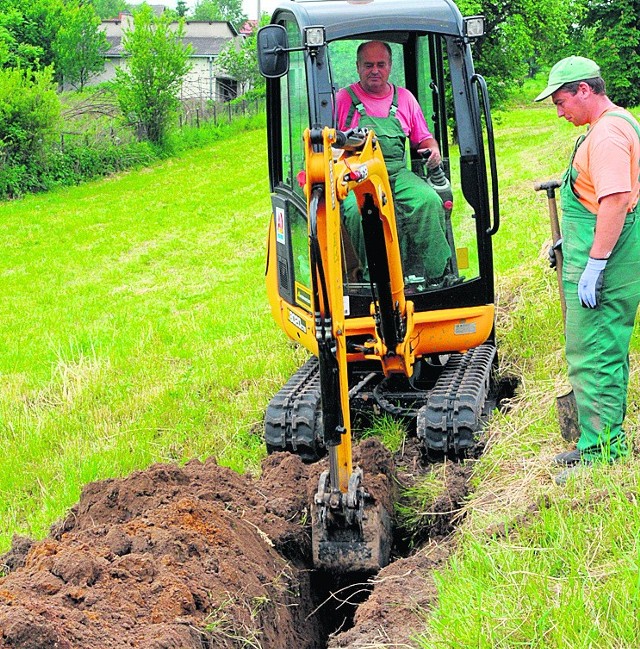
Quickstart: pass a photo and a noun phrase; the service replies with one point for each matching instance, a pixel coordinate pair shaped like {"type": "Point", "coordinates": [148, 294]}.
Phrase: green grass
{"type": "Point", "coordinates": [134, 328]}
{"type": "Point", "coordinates": [569, 577]}
{"type": "Point", "coordinates": [415, 510]}
{"type": "Point", "coordinates": [390, 431]}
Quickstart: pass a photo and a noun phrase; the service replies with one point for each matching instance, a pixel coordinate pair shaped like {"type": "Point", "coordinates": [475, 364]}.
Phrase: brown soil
{"type": "Point", "coordinates": [199, 556]}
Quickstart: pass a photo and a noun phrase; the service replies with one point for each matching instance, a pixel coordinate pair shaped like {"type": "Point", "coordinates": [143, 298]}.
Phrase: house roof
{"type": "Point", "coordinates": [201, 46]}
{"type": "Point", "coordinates": [206, 38]}
{"type": "Point", "coordinates": [158, 10]}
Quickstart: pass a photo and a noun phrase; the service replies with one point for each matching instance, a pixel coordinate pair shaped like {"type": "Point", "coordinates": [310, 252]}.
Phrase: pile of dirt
{"type": "Point", "coordinates": [171, 557]}
{"type": "Point", "coordinates": [174, 558]}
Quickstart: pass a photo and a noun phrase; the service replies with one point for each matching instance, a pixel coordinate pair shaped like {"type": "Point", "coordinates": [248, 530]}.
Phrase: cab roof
{"type": "Point", "coordinates": [344, 18]}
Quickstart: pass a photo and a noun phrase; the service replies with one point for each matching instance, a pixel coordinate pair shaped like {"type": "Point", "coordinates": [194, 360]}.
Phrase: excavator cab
{"type": "Point", "coordinates": [383, 336]}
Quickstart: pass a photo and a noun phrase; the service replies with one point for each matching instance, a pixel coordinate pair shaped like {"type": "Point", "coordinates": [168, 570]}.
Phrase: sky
{"type": "Point", "coordinates": [250, 7]}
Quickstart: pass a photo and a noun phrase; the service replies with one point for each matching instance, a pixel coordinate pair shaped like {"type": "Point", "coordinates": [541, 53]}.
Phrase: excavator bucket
{"type": "Point", "coordinates": [364, 548]}
{"type": "Point", "coordinates": [353, 532]}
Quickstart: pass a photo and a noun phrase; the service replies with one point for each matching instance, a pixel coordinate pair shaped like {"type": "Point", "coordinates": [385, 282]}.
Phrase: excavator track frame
{"type": "Point", "coordinates": [293, 421]}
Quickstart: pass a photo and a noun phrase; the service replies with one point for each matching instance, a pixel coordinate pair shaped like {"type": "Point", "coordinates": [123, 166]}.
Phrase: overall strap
{"type": "Point", "coordinates": [581, 139]}
{"type": "Point", "coordinates": [636, 128]}
{"type": "Point", "coordinates": [356, 104]}
{"type": "Point", "coordinates": [393, 109]}
{"type": "Point", "coordinates": [626, 118]}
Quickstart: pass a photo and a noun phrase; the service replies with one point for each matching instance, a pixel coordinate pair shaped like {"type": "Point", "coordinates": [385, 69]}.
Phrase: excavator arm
{"type": "Point", "coordinates": [349, 532]}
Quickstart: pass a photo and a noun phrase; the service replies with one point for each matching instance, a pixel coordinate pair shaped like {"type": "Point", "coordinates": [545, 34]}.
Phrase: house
{"type": "Point", "coordinates": [205, 80]}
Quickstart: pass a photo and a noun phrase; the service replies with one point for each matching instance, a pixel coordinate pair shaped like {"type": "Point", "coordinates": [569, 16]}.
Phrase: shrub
{"type": "Point", "coordinates": [29, 114]}
{"type": "Point", "coordinates": [76, 163]}
{"type": "Point", "coordinates": [147, 88]}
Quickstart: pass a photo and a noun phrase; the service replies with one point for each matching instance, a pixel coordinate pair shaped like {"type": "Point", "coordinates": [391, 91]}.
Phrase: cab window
{"type": "Point", "coordinates": [295, 112]}
{"type": "Point", "coordinates": [430, 90]}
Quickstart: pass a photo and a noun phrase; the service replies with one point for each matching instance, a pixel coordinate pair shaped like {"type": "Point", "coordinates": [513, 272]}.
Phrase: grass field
{"type": "Point", "coordinates": [134, 328]}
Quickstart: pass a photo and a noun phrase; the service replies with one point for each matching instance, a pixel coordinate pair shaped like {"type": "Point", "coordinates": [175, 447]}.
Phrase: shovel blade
{"type": "Point", "coordinates": [568, 416]}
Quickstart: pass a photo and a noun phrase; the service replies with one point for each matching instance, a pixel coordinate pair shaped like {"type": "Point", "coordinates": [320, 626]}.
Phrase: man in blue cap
{"type": "Point", "coordinates": [601, 257]}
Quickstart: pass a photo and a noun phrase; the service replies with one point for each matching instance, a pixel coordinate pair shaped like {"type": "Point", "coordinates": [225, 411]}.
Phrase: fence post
{"type": "Point", "coordinates": [197, 117]}
{"type": "Point", "coordinates": [229, 105]}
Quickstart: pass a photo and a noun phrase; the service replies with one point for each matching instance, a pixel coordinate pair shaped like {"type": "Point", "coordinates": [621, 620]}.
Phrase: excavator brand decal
{"type": "Point", "coordinates": [280, 237]}
{"type": "Point", "coordinates": [297, 321]}
{"type": "Point", "coordinates": [303, 296]}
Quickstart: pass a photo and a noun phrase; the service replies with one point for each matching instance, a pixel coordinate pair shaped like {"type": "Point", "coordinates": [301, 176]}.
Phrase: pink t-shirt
{"type": "Point", "coordinates": [607, 162]}
{"type": "Point", "coordinates": [409, 112]}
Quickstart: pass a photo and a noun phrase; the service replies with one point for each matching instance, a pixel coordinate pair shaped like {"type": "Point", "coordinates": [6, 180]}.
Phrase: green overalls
{"type": "Point", "coordinates": [597, 340]}
{"type": "Point", "coordinates": [419, 210]}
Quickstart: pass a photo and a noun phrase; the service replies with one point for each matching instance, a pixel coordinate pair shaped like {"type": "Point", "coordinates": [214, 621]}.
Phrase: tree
{"type": "Point", "coordinates": [181, 8]}
{"type": "Point", "coordinates": [217, 10]}
{"type": "Point", "coordinates": [615, 38]}
{"type": "Point", "coordinates": [80, 45]}
{"type": "Point", "coordinates": [12, 52]}
{"type": "Point", "coordinates": [147, 88]}
{"type": "Point", "coordinates": [109, 8]}
{"type": "Point", "coordinates": [32, 27]}
{"type": "Point", "coordinates": [241, 62]}
{"type": "Point", "coordinates": [518, 34]}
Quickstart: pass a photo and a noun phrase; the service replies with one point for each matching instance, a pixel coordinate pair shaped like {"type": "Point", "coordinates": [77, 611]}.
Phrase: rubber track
{"type": "Point", "coordinates": [453, 412]}
{"type": "Point", "coordinates": [293, 421]}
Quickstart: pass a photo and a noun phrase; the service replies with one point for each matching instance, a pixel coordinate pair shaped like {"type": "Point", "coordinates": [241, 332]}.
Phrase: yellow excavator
{"type": "Point", "coordinates": [382, 339]}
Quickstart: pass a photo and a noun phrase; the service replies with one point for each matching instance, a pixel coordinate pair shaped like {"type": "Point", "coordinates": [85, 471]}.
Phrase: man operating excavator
{"type": "Point", "coordinates": [395, 115]}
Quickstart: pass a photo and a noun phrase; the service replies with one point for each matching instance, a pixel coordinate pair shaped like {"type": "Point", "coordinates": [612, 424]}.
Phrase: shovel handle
{"type": "Point", "coordinates": [550, 187]}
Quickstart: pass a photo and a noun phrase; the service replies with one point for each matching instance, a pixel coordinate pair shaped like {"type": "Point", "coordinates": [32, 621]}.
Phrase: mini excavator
{"type": "Point", "coordinates": [382, 339]}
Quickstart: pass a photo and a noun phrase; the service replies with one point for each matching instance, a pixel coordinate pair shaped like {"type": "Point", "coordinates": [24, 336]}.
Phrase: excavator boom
{"type": "Point", "coordinates": [350, 531]}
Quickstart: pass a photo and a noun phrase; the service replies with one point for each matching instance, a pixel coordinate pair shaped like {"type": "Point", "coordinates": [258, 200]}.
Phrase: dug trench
{"type": "Point", "coordinates": [198, 556]}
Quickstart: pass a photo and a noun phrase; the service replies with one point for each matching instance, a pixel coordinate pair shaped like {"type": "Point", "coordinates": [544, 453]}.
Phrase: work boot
{"type": "Point", "coordinates": [568, 458]}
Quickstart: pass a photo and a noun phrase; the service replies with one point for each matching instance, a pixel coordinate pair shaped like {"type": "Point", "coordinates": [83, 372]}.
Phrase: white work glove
{"type": "Point", "coordinates": [590, 284]}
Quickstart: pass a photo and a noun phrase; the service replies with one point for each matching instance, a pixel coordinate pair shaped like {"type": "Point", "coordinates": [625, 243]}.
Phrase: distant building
{"type": "Point", "coordinates": [205, 80]}
{"type": "Point", "coordinates": [249, 27]}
